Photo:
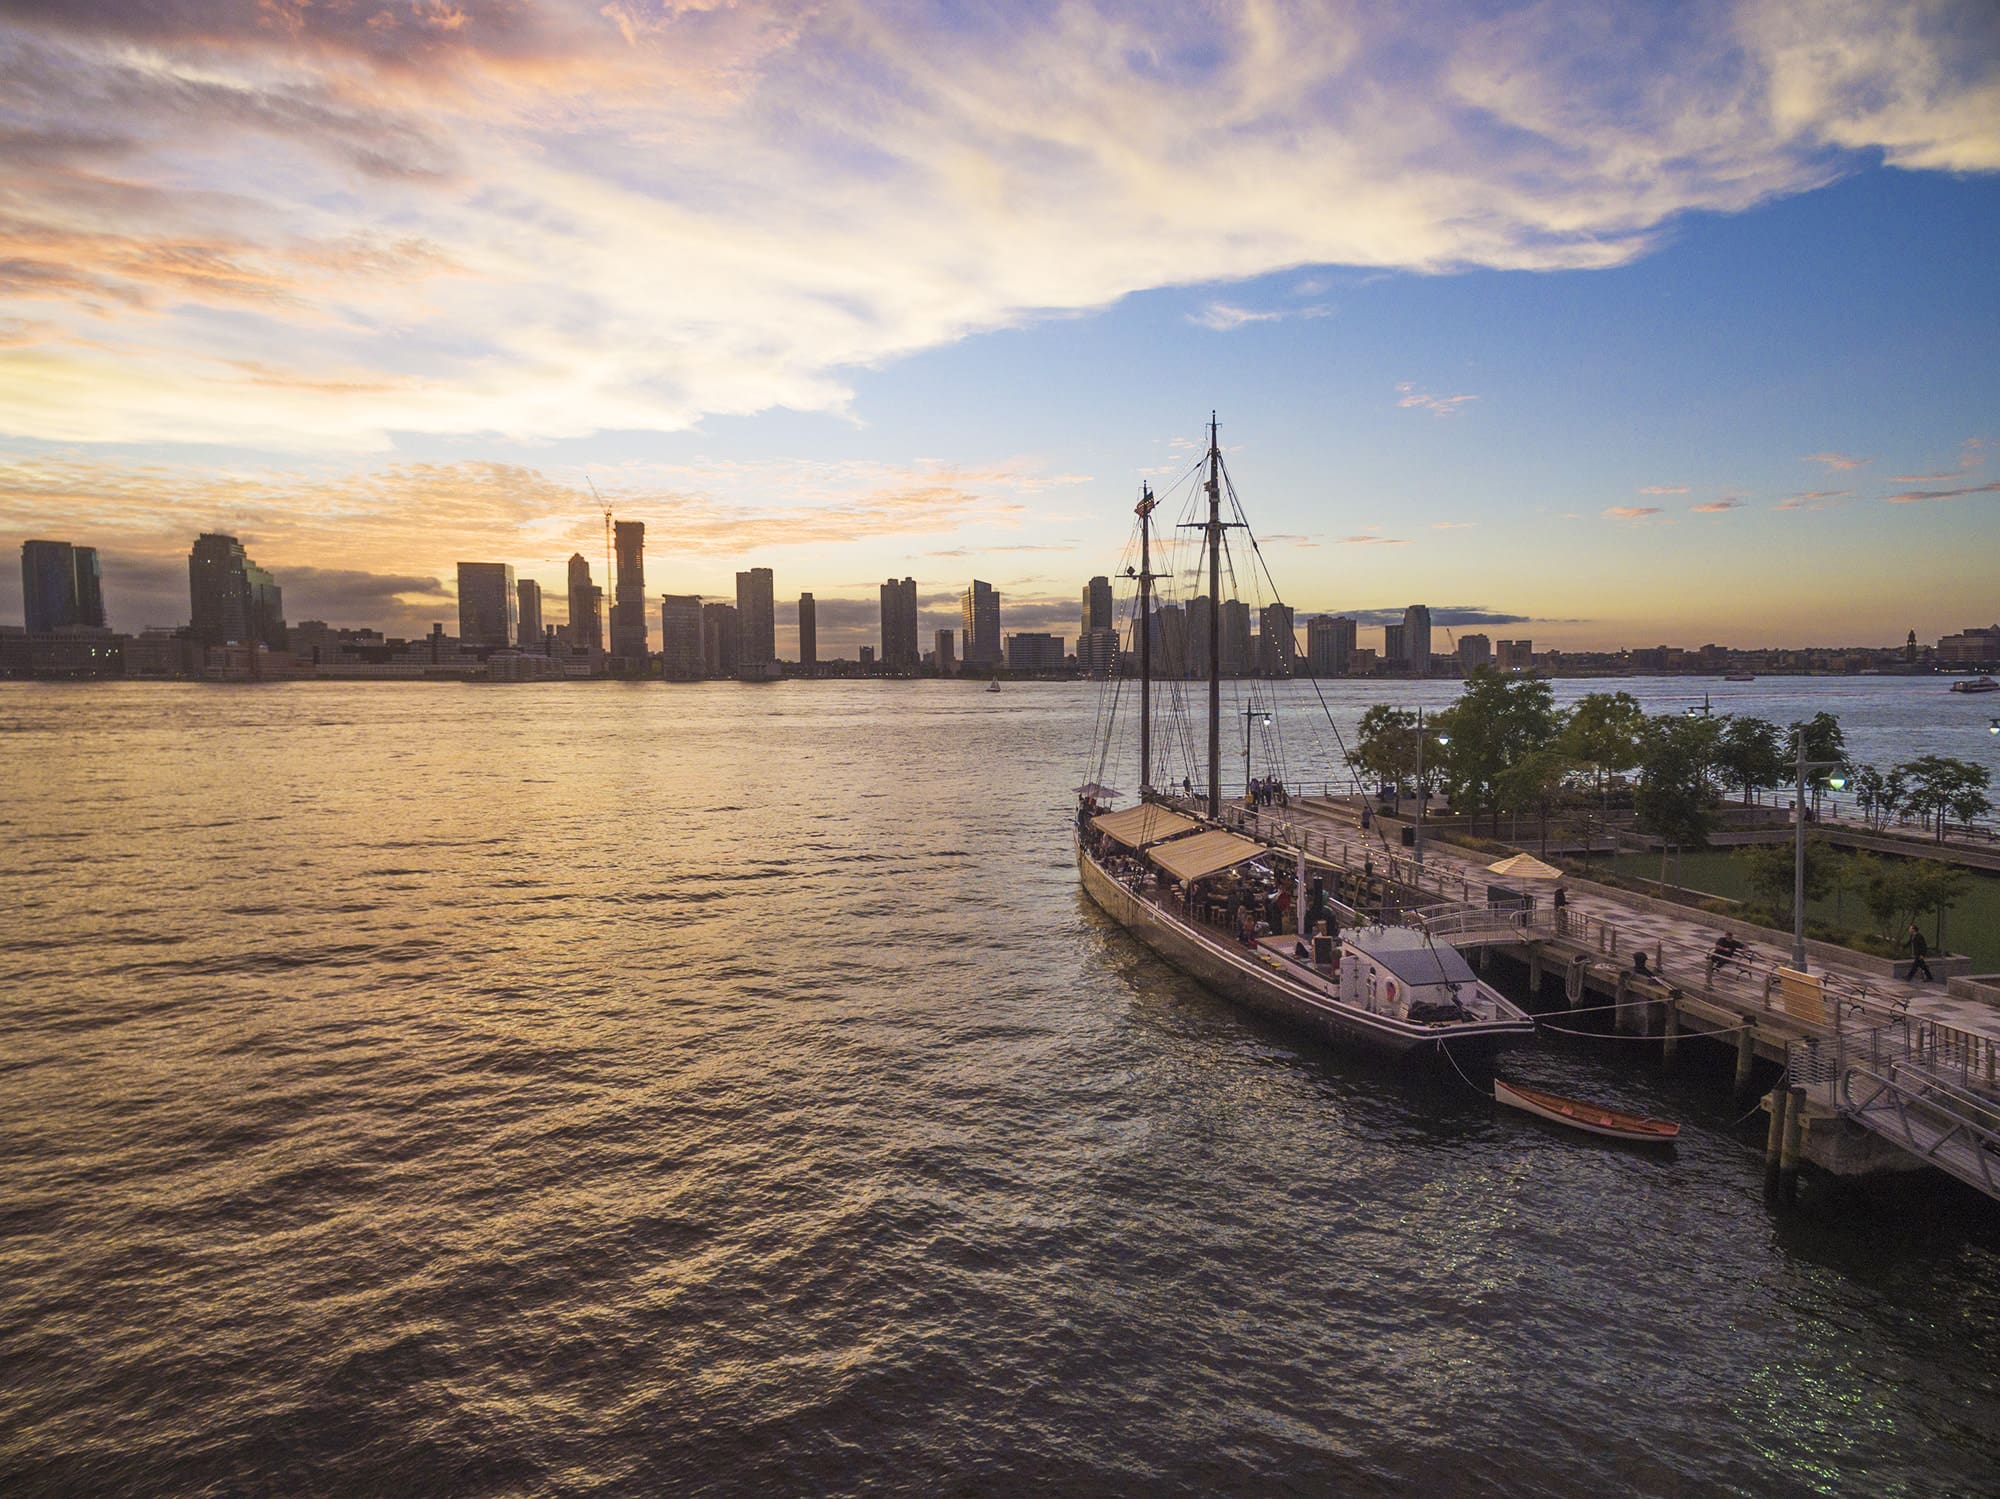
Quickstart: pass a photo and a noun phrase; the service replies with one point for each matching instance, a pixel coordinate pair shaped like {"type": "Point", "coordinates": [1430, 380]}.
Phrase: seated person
{"type": "Point", "coordinates": [1639, 964]}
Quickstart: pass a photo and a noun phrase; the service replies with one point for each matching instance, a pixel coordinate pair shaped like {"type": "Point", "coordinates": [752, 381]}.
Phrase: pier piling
{"type": "Point", "coordinates": [1673, 1033]}
{"type": "Point", "coordinates": [1746, 1054]}
{"type": "Point", "coordinates": [1774, 1101]}
{"type": "Point", "coordinates": [1788, 1152]}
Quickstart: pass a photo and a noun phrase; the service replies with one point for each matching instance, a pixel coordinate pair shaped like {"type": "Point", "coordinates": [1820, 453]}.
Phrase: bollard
{"type": "Point", "coordinates": [1775, 1101]}
{"type": "Point", "coordinates": [1788, 1151]}
{"type": "Point", "coordinates": [1673, 1041]}
{"type": "Point", "coordinates": [1746, 1053]}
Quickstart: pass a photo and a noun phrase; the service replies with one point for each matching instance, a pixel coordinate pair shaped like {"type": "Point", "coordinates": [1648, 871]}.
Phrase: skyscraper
{"type": "Point", "coordinates": [628, 610]}
{"type": "Point", "coordinates": [1235, 637]}
{"type": "Point", "coordinates": [1395, 647]}
{"type": "Point", "coordinates": [1475, 650]}
{"type": "Point", "coordinates": [230, 597]}
{"type": "Point", "coordinates": [681, 656]}
{"type": "Point", "coordinates": [979, 618]}
{"type": "Point", "coordinates": [586, 612]}
{"type": "Point", "coordinates": [1096, 605]}
{"type": "Point", "coordinates": [808, 632]}
{"type": "Point", "coordinates": [488, 606]}
{"type": "Point", "coordinates": [721, 639]}
{"type": "Point", "coordinates": [945, 657]}
{"type": "Point", "coordinates": [1277, 642]}
{"type": "Point", "coordinates": [60, 588]}
{"type": "Point", "coordinates": [757, 616]}
{"type": "Point", "coordinates": [899, 625]}
{"type": "Point", "coordinates": [529, 594]}
{"type": "Point", "coordinates": [1417, 638]}
{"type": "Point", "coordinates": [1199, 618]}
{"type": "Point", "coordinates": [1329, 645]}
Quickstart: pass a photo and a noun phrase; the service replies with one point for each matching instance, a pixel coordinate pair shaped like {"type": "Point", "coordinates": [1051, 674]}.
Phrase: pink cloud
{"type": "Point", "coordinates": [1366, 540]}
{"type": "Point", "coordinates": [1835, 460]}
{"type": "Point", "coordinates": [1716, 507]}
{"type": "Point", "coordinates": [1664, 489]}
{"type": "Point", "coordinates": [1410, 398]}
{"type": "Point", "coordinates": [1630, 512]}
{"type": "Point", "coordinates": [1918, 496]}
{"type": "Point", "coordinates": [1813, 499]}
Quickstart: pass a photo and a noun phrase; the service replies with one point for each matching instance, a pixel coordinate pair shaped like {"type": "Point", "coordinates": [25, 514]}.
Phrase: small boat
{"type": "Point", "coordinates": [994, 685]}
{"type": "Point", "coordinates": [1976, 684]}
{"type": "Point", "coordinates": [1593, 1118]}
{"type": "Point", "coordinates": [1740, 676]}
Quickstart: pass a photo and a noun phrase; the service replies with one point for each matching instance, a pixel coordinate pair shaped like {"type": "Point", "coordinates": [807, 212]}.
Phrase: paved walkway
{"type": "Point", "coordinates": [1680, 945]}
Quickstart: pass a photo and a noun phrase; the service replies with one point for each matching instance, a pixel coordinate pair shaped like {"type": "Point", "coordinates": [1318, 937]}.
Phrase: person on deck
{"type": "Point", "coordinates": [1919, 954]}
{"type": "Point", "coordinates": [1246, 927]}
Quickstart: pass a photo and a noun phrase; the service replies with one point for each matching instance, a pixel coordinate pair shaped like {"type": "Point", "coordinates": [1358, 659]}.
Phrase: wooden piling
{"type": "Point", "coordinates": [1746, 1054]}
{"type": "Point", "coordinates": [1775, 1101]}
{"type": "Point", "coordinates": [1535, 971]}
{"type": "Point", "coordinates": [1673, 1041]}
{"type": "Point", "coordinates": [1788, 1150]}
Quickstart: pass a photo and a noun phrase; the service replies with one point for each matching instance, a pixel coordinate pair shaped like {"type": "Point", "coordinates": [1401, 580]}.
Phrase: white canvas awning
{"type": "Point", "coordinates": [1524, 867]}
{"type": "Point", "coordinates": [1205, 854]}
{"type": "Point", "coordinates": [1143, 825]}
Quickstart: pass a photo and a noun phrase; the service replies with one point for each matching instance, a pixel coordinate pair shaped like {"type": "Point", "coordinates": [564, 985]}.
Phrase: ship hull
{"type": "Point", "coordinates": [1240, 977]}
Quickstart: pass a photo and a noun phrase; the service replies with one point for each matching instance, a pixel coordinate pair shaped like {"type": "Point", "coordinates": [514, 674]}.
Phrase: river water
{"type": "Point", "coordinates": [718, 1090]}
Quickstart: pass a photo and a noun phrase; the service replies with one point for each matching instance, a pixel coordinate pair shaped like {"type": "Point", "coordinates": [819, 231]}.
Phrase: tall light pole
{"type": "Point", "coordinates": [1799, 849]}
{"type": "Point", "coordinates": [1421, 798]}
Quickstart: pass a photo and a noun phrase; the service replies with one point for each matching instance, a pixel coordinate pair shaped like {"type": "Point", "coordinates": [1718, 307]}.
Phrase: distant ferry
{"type": "Point", "coordinates": [1740, 676]}
{"type": "Point", "coordinates": [1976, 684]}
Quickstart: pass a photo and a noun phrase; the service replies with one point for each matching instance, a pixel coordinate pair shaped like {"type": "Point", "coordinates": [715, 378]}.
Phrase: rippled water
{"type": "Point", "coordinates": [716, 1090]}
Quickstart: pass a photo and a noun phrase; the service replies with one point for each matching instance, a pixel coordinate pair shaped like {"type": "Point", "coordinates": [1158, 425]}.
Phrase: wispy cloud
{"type": "Point", "coordinates": [1630, 512]}
{"type": "Point", "coordinates": [1813, 499]}
{"type": "Point", "coordinates": [1716, 507]}
{"type": "Point", "coordinates": [1453, 525]}
{"type": "Point", "coordinates": [1664, 489]}
{"type": "Point", "coordinates": [1224, 317]}
{"type": "Point", "coordinates": [1836, 462]}
{"type": "Point", "coordinates": [1365, 538]}
{"type": "Point", "coordinates": [1971, 456]}
{"type": "Point", "coordinates": [1410, 398]}
{"type": "Point", "coordinates": [1918, 496]}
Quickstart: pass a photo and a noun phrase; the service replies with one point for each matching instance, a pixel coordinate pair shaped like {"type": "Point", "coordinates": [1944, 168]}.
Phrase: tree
{"type": "Point", "coordinates": [1751, 752]}
{"type": "Point", "coordinates": [1385, 746]}
{"type": "Point", "coordinates": [1825, 742]}
{"type": "Point", "coordinates": [1496, 722]}
{"type": "Point", "coordinates": [1533, 783]}
{"type": "Point", "coordinates": [1604, 731]}
{"type": "Point", "coordinates": [1771, 869]}
{"type": "Point", "coordinates": [1672, 796]}
{"type": "Point", "coordinates": [1901, 891]}
{"type": "Point", "coordinates": [1878, 796]}
{"type": "Point", "coordinates": [1939, 786]}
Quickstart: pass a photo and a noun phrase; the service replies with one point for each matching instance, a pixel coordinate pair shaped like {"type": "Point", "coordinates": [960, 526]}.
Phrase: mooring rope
{"type": "Point", "coordinates": [1614, 1036]}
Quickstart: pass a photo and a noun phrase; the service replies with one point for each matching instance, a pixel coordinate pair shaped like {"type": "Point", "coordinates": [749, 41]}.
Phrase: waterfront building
{"type": "Point", "coordinates": [1474, 650]}
{"type": "Point", "coordinates": [1362, 661]}
{"type": "Point", "coordinates": [1097, 651]}
{"type": "Point", "coordinates": [628, 607]}
{"type": "Point", "coordinates": [867, 659]}
{"type": "Point", "coordinates": [808, 632]}
{"type": "Point", "coordinates": [528, 624]}
{"type": "Point", "coordinates": [1199, 609]}
{"type": "Point", "coordinates": [1031, 650]}
{"type": "Point", "coordinates": [682, 650]}
{"type": "Point", "coordinates": [899, 625]}
{"type": "Point", "coordinates": [1277, 642]}
{"type": "Point", "coordinates": [60, 587]}
{"type": "Point", "coordinates": [1394, 650]}
{"type": "Point", "coordinates": [1974, 647]}
{"type": "Point", "coordinates": [488, 606]}
{"type": "Point", "coordinates": [1169, 629]}
{"type": "Point", "coordinates": [944, 656]}
{"type": "Point", "coordinates": [1417, 639]}
{"type": "Point", "coordinates": [1514, 655]}
{"type": "Point", "coordinates": [1329, 645]}
{"type": "Point", "coordinates": [1096, 607]}
{"type": "Point", "coordinates": [756, 609]}
{"type": "Point", "coordinates": [230, 597]}
{"type": "Point", "coordinates": [586, 607]}
{"type": "Point", "coordinates": [1236, 657]}
{"type": "Point", "coordinates": [721, 639]}
{"type": "Point", "coordinates": [979, 611]}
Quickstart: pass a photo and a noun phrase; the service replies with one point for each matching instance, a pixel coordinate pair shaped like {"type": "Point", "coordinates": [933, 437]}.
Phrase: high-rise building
{"type": "Point", "coordinates": [808, 632]}
{"type": "Point", "coordinates": [899, 625]}
{"type": "Point", "coordinates": [1514, 655]}
{"type": "Point", "coordinates": [60, 587]}
{"type": "Point", "coordinates": [682, 656]}
{"type": "Point", "coordinates": [230, 597]}
{"type": "Point", "coordinates": [979, 620]}
{"type": "Point", "coordinates": [528, 594]}
{"type": "Point", "coordinates": [488, 606]}
{"type": "Point", "coordinates": [1474, 650]}
{"type": "Point", "coordinates": [1277, 642]}
{"type": "Point", "coordinates": [586, 606]}
{"type": "Point", "coordinates": [1417, 638]}
{"type": "Point", "coordinates": [1096, 606]}
{"type": "Point", "coordinates": [1097, 652]}
{"type": "Point", "coordinates": [628, 608]}
{"type": "Point", "coordinates": [945, 656]}
{"type": "Point", "coordinates": [757, 614]}
{"type": "Point", "coordinates": [1200, 619]}
{"type": "Point", "coordinates": [721, 640]}
{"type": "Point", "coordinates": [1235, 638]}
{"type": "Point", "coordinates": [1329, 644]}
{"type": "Point", "coordinates": [1394, 650]}
{"type": "Point", "coordinates": [1170, 641]}
{"type": "Point", "coordinates": [1030, 650]}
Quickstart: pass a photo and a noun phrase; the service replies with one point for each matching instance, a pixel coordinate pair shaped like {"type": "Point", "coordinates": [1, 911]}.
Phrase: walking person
{"type": "Point", "coordinates": [1919, 952]}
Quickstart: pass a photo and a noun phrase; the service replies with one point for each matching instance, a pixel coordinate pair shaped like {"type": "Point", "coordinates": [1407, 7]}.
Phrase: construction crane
{"type": "Point", "coordinates": [607, 534]}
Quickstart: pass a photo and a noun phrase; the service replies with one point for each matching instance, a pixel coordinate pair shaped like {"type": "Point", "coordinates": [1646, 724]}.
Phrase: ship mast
{"type": "Point", "coordinates": [1145, 513]}
{"type": "Point", "coordinates": [1214, 529]}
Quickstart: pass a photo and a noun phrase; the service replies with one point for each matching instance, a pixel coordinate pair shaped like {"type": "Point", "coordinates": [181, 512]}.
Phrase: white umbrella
{"type": "Point", "coordinates": [1524, 867]}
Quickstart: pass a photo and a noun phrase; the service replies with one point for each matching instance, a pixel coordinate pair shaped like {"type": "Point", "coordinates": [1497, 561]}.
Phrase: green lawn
{"type": "Point", "coordinates": [1972, 926]}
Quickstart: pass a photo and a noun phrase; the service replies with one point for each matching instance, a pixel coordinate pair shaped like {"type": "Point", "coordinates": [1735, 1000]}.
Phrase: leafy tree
{"type": "Point", "coordinates": [1496, 722]}
{"type": "Point", "coordinates": [1605, 730]}
{"type": "Point", "coordinates": [1941, 787]}
{"type": "Point", "coordinates": [1534, 783]}
{"type": "Point", "coordinates": [1385, 746]}
{"type": "Point", "coordinates": [1900, 891]}
{"type": "Point", "coordinates": [1672, 796]}
{"type": "Point", "coordinates": [1751, 752]}
{"type": "Point", "coordinates": [1878, 796]}
{"type": "Point", "coordinates": [1825, 742]}
{"type": "Point", "coordinates": [1771, 869]}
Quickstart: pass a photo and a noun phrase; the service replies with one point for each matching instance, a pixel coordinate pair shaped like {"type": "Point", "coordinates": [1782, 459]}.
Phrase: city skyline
{"type": "Point", "coordinates": [1611, 328]}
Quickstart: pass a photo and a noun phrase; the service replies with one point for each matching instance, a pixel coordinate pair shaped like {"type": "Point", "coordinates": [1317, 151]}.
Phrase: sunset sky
{"type": "Point", "coordinates": [1613, 324]}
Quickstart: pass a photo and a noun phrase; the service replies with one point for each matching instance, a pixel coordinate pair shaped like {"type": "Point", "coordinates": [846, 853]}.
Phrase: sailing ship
{"type": "Point", "coordinates": [1159, 871]}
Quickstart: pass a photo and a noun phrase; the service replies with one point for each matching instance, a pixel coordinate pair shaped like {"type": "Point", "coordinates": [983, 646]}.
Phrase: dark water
{"type": "Point", "coordinates": [720, 1090]}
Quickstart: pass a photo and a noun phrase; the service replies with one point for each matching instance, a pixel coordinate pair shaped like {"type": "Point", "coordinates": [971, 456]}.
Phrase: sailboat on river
{"type": "Point", "coordinates": [1156, 869]}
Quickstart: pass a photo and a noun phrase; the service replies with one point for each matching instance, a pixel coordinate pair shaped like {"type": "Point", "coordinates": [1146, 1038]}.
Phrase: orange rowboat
{"type": "Point", "coordinates": [1592, 1118]}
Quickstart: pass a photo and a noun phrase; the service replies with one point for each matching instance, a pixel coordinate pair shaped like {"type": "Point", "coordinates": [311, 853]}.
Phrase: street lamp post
{"type": "Point", "coordinates": [1251, 714]}
{"type": "Point", "coordinates": [1799, 850]}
